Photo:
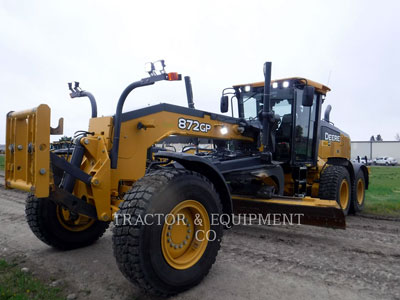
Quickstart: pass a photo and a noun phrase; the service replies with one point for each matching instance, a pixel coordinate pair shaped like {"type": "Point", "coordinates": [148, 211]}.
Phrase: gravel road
{"type": "Point", "coordinates": [255, 262]}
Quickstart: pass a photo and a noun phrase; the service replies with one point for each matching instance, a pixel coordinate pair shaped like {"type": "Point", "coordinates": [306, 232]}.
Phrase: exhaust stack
{"type": "Point", "coordinates": [327, 113]}
{"type": "Point", "coordinates": [266, 114]}
{"type": "Point", "coordinates": [189, 92]}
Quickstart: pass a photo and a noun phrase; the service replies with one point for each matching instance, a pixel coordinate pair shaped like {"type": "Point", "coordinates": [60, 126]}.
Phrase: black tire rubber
{"type": "Point", "coordinates": [356, 207]}
{"type": "Point", "coordinates": [137, 247]}
{"type": "Point", "coordinates": [41, 215]}
{"type": "Point", "coordinates": [329, 185]}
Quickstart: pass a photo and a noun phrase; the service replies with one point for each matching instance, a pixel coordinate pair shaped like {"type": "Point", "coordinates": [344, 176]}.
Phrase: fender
{"type": "Point", "coordinates": [206, 168]}
{"type": "Point", "coordinates": [353, 168]}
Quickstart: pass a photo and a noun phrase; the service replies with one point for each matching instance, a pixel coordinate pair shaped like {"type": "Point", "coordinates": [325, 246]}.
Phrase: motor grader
{"type": "Point", "coordinates": [277, 156]}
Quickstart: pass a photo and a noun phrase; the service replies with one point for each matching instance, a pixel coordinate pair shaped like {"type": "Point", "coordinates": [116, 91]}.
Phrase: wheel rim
{"type": "Point", "coordinates": [344, 194]}
{"type": "Point", "coordinates": [71, 223]}
{"type": "Point", "coordinates": [184, 243]}
{"type": "Point", "coordinates": [360, 191]}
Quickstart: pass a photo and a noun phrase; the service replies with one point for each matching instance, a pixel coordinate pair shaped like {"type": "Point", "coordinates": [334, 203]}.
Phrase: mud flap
{"type": "Point", "coordinates": [309, 211]}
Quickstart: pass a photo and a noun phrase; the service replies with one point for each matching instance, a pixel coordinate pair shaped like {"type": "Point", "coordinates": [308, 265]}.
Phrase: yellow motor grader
{"type": "Point", "coordinates": [277, 157]}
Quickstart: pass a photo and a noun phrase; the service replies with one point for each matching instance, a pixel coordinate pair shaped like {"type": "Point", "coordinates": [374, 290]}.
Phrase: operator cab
{"type": "Point", "coordinates": [295, 131]}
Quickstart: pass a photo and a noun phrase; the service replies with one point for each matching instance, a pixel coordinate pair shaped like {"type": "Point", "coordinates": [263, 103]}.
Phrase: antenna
{"type": "Point", "coordinates": [329, 77]}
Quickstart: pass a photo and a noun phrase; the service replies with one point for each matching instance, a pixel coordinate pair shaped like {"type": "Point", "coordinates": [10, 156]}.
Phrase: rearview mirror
{"type": "Point", "coordinates": [224, 104]}
{"type": "Point", "coordinates": [308, 95]}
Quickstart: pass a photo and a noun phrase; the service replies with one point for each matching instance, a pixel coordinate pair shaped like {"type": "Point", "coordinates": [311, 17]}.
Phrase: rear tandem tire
{"type": "Point", "coordinates": [335, 184]}
{"type": "Point", "coordinates": [43, 217]}
{"type": "Point", "coordinates": [358, 192]}
{"type": "Point", "coordinates": [165, 259]}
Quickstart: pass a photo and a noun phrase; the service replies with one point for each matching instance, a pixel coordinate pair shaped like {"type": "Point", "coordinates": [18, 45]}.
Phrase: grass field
{"type": "Point", "coordinates": [2, 161]}
{"type": "Point", "coordinates": [383, 195]}
{"type": "Point", "coordinates": [18, 285]}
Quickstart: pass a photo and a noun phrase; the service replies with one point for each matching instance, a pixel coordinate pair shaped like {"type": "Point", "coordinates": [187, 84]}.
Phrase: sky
{"type": "Point", "coordinates": [351, 46]}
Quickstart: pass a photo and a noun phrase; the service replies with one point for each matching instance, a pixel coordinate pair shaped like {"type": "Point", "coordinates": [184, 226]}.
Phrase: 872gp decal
{"type": "Point", "coordinates": [187, 124]}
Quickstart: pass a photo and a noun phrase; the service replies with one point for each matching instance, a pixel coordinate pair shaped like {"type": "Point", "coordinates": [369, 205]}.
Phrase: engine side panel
{"type": "Point", "coordinates": [333, 142]}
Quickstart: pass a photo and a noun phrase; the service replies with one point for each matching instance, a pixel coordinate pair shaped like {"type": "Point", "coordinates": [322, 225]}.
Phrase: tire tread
{"type": "Point", "coordinates": [34, 217]}
{"type": "Point", "coordinates": [126, 237]}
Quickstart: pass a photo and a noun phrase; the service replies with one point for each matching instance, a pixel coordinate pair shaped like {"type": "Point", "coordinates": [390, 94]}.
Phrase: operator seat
{"type": "Point", "coordinates": [283, 132]}
{"type": "Point", "coordinates": [283, 138]}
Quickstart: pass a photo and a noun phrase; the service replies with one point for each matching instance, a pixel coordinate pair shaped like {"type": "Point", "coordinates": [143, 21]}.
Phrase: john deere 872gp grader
{"type": "Point", "coordinates": [278, 156]}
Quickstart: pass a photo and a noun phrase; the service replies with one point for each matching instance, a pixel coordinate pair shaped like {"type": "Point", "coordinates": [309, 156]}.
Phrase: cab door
{"type": "Point", "coordinates": [305, 130]}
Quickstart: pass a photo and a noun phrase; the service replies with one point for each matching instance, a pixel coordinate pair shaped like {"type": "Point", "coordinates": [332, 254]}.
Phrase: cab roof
{"type": "Point", "coordinates": [323, 89]}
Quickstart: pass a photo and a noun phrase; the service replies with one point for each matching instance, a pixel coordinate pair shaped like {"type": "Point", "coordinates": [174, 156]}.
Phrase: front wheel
{"type": "Point", "coordinates": [59, 228]}
{"type": "Point", "coordinates": [164, 239]}
{"type": "Point", "coordinates": [335, 185]}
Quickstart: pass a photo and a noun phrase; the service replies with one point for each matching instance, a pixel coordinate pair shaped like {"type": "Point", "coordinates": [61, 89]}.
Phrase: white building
{"type": "Point", "coordinates": [375, 149]}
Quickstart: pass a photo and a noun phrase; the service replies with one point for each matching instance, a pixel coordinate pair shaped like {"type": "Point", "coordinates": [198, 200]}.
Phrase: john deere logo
{"type": "Point", "coordinates": [332, 137]}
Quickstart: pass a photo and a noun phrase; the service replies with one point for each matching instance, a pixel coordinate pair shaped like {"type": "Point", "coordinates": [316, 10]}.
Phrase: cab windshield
{"type": "Point", "coordinates": [298, 136]}
{"type": "Point", "coordinates": [252, 105]}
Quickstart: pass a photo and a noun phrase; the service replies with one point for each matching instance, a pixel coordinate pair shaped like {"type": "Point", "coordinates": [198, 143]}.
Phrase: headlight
{"type": "Point", "coordinates": [159, 65]}
{"type": "Point", "coordinates": [274, 85]}
{"type": "Point", "coordinates": [247, 88]}
{"type": "Point", "coordinates": [224, 130]}
{"type": "Point", "coordinates": [285, 84]}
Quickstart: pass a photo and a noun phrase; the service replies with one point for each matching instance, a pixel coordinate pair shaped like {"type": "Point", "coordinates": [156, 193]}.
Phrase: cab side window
{"type": "Point", "coordinates": [304, 129]}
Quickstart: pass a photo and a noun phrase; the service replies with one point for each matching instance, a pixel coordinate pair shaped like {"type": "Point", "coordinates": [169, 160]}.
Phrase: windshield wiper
{"type": "Point", "coordinates": [244, 101]}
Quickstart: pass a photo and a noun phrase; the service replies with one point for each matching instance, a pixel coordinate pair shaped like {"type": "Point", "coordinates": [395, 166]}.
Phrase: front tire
{"type": "Point", "coordinates": [335, 185]}
{"type": "Point", "coordinates": [50, 223]}
{"type": "Point", "coordinates": [160, 258]}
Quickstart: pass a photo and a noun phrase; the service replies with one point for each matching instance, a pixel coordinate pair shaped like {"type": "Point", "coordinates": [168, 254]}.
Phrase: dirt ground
{"type": "Point", "coordinates": [255, 262]}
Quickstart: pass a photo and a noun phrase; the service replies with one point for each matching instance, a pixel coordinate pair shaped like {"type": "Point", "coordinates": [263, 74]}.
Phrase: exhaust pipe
{"type": "Point", "coordinates": [189, 92]}
{"type": "Point", "coordinates": [266, 114]}
{"type": "Point", "coordinates": [327, 113]}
